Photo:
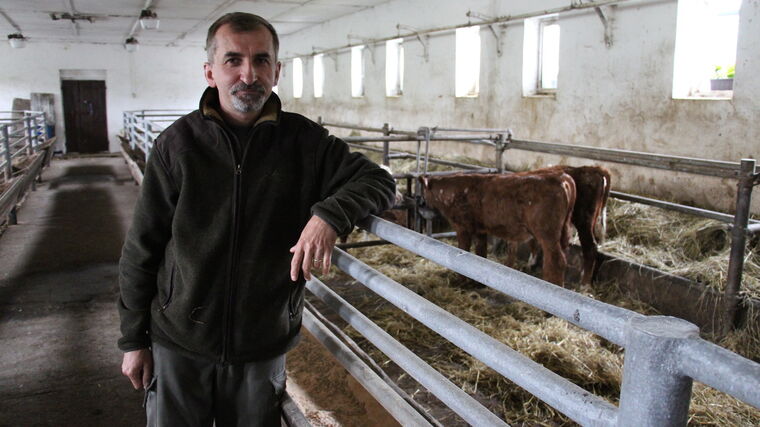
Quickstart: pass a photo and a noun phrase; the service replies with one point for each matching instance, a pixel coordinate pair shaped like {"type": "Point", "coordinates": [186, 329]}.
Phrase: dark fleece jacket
{"type": "Point", "coordinates": [205, 265]}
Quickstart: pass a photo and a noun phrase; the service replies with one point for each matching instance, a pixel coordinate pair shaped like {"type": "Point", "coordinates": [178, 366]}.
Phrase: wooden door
{"type": "Point", "coordinates": [84, 111]}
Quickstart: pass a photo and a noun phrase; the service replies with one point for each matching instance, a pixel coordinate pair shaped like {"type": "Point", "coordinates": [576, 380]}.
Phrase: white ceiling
{"type": "Point", "coordinates": [182, 22]}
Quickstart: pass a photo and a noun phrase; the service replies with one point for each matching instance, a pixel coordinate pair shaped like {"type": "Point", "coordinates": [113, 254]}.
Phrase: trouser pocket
{"type": "Point", "coordinates": [150, 392]}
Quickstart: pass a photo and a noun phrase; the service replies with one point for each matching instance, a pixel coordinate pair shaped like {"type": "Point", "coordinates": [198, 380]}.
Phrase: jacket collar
{"type": "Point", "coordinates": [210, 109]}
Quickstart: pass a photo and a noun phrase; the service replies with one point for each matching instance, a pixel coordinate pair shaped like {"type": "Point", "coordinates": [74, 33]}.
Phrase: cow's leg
{"type": "Point", "coordinates": [555, 262]}
{"type": "Point", "coordinates": [464, 239]}
{"type": "Point", "coordinates": [481, 245]}
{"type": "Point", "coordinates": [535, 254]}
{"type": "Point", "coordinates": [512, 246]}
{"type": "Point", "coordinates": [590, 252]}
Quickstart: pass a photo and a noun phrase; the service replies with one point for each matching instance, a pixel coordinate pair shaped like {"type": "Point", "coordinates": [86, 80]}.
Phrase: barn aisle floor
{"type": "Point", "coordinates": [59, 365]}
{"type": "Point", "coordinates": [58, 281]}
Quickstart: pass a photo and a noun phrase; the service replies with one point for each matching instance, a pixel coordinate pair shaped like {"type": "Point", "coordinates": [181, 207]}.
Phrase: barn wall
{"type": "Point", "coordinates": [152, 77]}
{"type": "Point", "coordinates": [617, 97]}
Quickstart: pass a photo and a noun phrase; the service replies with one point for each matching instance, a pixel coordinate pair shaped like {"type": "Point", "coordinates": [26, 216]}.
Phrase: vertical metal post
{"type": "Point", "coordinates": [320, 121]}
{"type": "Point", "coordinates": [386, 145]}
{"type": "Point", "coordinates": [427, 135]}
{"type": "Point", "coordinates": [654, 392]}
{"type": "Point", "coordinates": [29, 135]}
{"type": "Point", "coordinates": [738, 244]}
{"type": "Point", "coordinates": [8, 158]}
{"type": "Point", "coordinates": [500, 147]}
{"type": "Point", "coordinates": [419, 135]}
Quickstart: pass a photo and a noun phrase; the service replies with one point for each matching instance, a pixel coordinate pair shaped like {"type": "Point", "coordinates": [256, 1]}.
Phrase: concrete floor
{"type": "Point", "coordinates": [59, 364]}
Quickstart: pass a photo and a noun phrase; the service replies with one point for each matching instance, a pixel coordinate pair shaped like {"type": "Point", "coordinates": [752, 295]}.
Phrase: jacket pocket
{"type": "Point", "coordinates": [295, 301]}
{"type": "Point", "coordinates": [165, 303]}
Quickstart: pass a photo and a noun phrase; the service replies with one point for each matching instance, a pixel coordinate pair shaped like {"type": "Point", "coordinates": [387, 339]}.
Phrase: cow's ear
{"type": "Point", "coordinates": [425, 182]}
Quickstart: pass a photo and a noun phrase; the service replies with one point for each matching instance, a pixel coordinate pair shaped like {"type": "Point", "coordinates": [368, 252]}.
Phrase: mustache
{"type": "Point", "coordinates": [256, 87]}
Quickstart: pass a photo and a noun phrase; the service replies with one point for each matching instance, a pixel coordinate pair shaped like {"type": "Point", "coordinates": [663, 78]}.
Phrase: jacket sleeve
{"type": "Point", "coordinates": [351, 186]}
{"type": "Point", "coordinates": [143, 252]}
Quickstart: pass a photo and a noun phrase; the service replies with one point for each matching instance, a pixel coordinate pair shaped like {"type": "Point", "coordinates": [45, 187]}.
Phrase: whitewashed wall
{"type": "Point", "coordinates": [617, 97]}
{"type": "Point", "coordinates": [152, 77]}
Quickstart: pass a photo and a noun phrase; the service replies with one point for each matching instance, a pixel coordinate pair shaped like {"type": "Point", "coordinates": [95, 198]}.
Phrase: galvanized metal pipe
{"type": "Point", "coordinates": [655, 393]}
{"type": "Point", "coordinates": [437, 129]}
{"type": "Point", "coordinates": [721, 369]}
{"type": "Point", "coordinates": [8, 158]}
{"type": "Point", "coordinates": [718, 216]}
{"type": "Point", "coordinates": [459, 401]}
{"type": "Point", "coordinates": [368, 243]}
{"type": "Point", "coordinates": [595, 316]}
{"type": "Point", "coordinates": [753, 228]}
{"type": "Point", "coordinates": [29, 136]}
{"type": "Point", "coordinates": [656, 161]}
{"type": "Point", "coordinates": [379, 389]}
{"type": "Point", "coordinates": [291, 413]}
{"type": "Point", "coordinates": [401, 154]}
{"type": "Point", "coordinates": [570, 399]}
{"type": "Point", "coordinates": [738, 244]}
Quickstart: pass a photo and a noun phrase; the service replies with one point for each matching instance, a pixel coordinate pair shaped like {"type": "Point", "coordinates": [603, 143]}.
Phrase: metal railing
{"type": "Point", "coordinates": [142, 127]}
{"type": "Point", "coordinates": [745, 172]}
{"type": "Point", "coordinates": [22, 136]}
{"type": "Point", "coordinates": [663, 355]}
{"type": "Point", "coordinates": [21, 133]}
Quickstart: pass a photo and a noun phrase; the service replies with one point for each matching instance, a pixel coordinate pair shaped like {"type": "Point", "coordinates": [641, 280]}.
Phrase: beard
{"type": "Point", "coordinates": [247, 102]}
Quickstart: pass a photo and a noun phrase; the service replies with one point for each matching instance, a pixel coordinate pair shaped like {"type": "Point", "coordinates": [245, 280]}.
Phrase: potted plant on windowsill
{"type": "Point", "coordinates": [723, 78]}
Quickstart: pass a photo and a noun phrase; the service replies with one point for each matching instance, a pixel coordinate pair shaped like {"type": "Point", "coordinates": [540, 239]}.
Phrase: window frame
{"type": "Point", "coordinates": [542, 24]}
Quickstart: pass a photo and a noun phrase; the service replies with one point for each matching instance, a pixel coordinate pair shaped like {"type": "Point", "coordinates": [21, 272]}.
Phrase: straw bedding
{"type": "Point", "coordinates": [677, 243]}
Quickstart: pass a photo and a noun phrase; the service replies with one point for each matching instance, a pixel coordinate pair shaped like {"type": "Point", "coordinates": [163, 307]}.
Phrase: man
{"type": "Point", "coordinates": [211, 298]}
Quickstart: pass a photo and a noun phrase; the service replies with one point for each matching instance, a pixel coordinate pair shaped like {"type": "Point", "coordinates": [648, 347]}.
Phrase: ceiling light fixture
{"type": "Point", "coordinates": [17, 40]}
{"type": "Point", "coordinates": [131, 44]}
{"type": "Point", "coordinates": [148, 19]}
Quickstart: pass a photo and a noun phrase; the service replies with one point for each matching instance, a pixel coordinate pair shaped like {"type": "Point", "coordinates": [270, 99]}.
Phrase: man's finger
{"type": "Point", "coordinates": [306, 263]}
{"type": "Point", "coordinates": [134, 378]}
{"type": "Point", "coordinates": [295, 263]}
{"type": "Point", "coordinates": [326, 262]}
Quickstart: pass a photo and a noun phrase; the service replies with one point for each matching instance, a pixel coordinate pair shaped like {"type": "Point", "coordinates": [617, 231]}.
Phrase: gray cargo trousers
{"type": "Point", "coordinates": [196, 393]}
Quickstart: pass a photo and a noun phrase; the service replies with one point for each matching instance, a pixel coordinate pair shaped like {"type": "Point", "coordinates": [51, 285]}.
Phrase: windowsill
{"type": "Point", "coordinates": [541, 95]}
{"type": "Point", "coordinates": [715, 95]}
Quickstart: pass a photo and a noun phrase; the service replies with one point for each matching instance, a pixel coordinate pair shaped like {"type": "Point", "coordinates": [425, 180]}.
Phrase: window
{"type": "Point", "coordinates": [319, 75]}
{"type": "Point", "coordinates": [467, 70]}
{"type": "Point", "coordinates": [705, 53]}
{"type": "Point", "coordinates": [297, 78]}
{"type": "Point", "coordinates": [548, 57]}
{"type": "Point", "coordinates": [394, 67]}
{"type": "Point", "coordinates": [357, 71]}
{"type": "Point", "coordinates": [541, 55]}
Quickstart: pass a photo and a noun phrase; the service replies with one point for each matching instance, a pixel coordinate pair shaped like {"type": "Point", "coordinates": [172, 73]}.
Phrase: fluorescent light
{"type": "Point", "coordinates": [131, 44]}
{"type": "Point", "coordinates": [148, 19]}
{"type": "Point", "coordinates": [17, 40]}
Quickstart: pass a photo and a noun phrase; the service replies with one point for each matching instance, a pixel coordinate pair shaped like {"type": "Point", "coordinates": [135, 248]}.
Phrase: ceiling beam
{"type": "Point", "coordinates": [72, 12]}
{"type": "Point", "coordinates": [223, 5]}
{"type": "Point", "coordinates": [10, 21]}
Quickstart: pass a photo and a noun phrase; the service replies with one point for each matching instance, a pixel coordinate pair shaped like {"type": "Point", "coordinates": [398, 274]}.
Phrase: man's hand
{"type": "Point", "coordinates": [314, 248]}
{"type": "Point", "coordinates": [138, 367]}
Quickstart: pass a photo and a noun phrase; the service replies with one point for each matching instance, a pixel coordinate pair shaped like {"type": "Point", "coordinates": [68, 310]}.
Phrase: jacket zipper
{"type": "Point", "coordinates": [227, 331]}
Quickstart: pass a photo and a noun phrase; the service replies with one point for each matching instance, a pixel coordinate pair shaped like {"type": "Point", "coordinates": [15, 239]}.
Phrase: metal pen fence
{"type": "Point", "coordinates": [744, 171]}
{"type": "Point", "coordinates": [663, 354]}
{"type": "Point", "coordinates": [142, 127]}
{"type": "Point", "coordinates": [22, 132]}
{"type": "Point", "coordinates": [24, 137]}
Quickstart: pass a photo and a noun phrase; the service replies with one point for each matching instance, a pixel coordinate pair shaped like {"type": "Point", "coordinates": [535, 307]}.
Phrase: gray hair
{"type": "Point", "coordinates": [240, 22]}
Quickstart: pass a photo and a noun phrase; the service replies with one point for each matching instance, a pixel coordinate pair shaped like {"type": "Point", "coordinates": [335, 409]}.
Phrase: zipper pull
{"type": "Point", "coordinates": [237, 170]}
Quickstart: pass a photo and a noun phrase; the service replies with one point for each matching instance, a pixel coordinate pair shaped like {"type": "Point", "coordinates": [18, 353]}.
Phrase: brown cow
{"type": "Point", "coordinates": [511, 207]}
{"type": "Point", "coordinates": [592, 185]}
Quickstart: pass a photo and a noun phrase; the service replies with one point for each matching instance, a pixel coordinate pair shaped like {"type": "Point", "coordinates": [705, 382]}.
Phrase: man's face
{"type": "Point", "coordinates": [244, 69]}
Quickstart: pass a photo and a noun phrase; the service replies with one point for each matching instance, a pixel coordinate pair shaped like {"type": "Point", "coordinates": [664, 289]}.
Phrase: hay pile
{"type": "Point", "coordinates": [587, 360]}
{"type": "Point", "coordinates": [677, 243]}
